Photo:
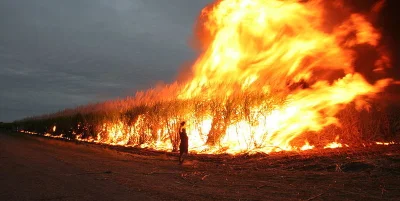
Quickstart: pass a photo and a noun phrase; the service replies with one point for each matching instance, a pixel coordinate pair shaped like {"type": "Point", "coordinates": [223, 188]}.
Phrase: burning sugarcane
{"type": "Point", "coordinates": [270, 73]}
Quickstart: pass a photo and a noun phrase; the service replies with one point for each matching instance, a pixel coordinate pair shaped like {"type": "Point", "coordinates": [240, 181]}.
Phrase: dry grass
{"type": "Point", "coordinates": [153, 110]}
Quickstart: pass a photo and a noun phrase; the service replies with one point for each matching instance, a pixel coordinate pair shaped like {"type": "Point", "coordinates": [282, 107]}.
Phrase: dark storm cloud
{"type": "Point", "coordinates": [56, 54]}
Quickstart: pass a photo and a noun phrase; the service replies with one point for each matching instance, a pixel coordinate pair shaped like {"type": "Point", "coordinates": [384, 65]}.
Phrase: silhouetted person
{"type": "Point", "coordinates": [184, 144]}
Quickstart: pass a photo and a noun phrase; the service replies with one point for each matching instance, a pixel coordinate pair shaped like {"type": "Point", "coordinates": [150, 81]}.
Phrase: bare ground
{"type": "Point", "coordinates": [37, 168]}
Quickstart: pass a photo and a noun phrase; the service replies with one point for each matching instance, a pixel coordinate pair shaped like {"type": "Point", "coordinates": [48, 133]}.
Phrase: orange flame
{"type": "Point", "coordinates": [385, 143]}
{"type": "Point", "coordinates": [307, 146]}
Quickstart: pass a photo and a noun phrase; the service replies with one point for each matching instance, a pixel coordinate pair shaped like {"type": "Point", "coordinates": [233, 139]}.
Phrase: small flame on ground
{"type": "Point", "coordinates": [385, 143]}
{"type": "Point", "coordinates": [163, 146]}
{"type": "Point", "coordinates": [333, 145]}
{"type": "Point", "coordinates": [307, 146]}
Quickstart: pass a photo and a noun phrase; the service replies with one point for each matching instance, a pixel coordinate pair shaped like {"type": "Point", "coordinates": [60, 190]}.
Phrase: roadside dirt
{"type": "Point", "coordinates": [38, 168]}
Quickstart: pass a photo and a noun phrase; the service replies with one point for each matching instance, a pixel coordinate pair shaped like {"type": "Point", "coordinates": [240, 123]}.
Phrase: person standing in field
{"type": "Point", "coordinates": [184, 142]}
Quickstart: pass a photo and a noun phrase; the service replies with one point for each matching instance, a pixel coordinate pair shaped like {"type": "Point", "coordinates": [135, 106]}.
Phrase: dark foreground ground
{"type": "Point", "coordinates": [37, 168]}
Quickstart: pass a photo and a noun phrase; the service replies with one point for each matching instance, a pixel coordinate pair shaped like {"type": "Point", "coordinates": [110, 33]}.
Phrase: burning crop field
{"type": "Point", "coordinates": [271, 76]}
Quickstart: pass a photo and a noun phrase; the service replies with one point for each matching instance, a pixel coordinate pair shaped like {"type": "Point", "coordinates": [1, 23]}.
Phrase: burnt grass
{"type": "Point", "coordinates": [362, 173]}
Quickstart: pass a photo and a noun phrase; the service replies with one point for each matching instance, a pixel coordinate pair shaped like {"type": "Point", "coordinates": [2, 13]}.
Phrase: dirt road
{"type": "Point", "coordinates": [37, 168]}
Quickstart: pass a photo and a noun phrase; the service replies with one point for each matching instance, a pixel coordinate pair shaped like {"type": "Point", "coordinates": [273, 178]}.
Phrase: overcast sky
{"type": "Point", "coordinates": [56, 54]}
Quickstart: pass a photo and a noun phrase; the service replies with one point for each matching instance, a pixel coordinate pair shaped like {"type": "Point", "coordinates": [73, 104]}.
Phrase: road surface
{"type": "Point", "coordinates": [38, 168]}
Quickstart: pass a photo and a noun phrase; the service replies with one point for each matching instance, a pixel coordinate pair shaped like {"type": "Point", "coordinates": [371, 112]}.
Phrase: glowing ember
{"type": "Point", "coordinates": [28, 132]}
{"type": "Point", "coordinates": [54, 136]}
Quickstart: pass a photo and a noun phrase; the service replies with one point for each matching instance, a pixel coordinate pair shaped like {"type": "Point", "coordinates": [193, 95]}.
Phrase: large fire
{"type": "Point", "coordinates": [270, 71]}
{"type": "Point", "coordinates": [278, 48]}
